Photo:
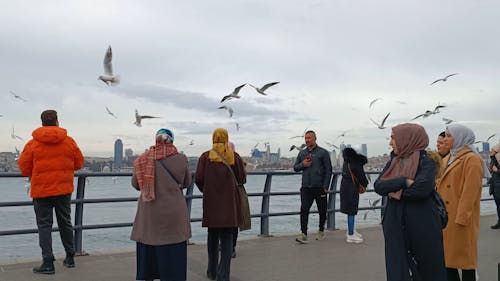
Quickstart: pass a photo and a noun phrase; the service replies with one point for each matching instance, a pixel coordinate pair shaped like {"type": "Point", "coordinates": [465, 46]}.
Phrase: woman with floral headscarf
{"type": "Point", "coordinates": [495, 180]}
{"type": "Point", "coordinates": [412, 227]}
{"type": "Point", "coordinates": [460, 187]}
{"type": "Point", "coordinates": [218, 174]}
{"type": "Point", "coordinates": [161, 226]}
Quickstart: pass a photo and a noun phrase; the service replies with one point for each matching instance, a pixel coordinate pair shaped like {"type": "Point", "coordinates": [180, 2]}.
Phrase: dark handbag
{"type": "Point", "coordinates": [440, 208]}
{"type": "Point", "coordinates": [242, 193]}
{"type": "Point", "coordinates": [361, 189]}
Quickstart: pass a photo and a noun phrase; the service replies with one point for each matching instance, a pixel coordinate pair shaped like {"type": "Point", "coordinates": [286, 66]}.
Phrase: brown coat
{"type": "Point", "coordinates": [460, 187]}
{"type": "Point", "coordinates": [221, 201]}
{"type": "Point", "coordinates": [164, 220]}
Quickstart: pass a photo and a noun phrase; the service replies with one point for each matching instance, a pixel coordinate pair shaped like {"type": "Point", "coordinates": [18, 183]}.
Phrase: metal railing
{"type": "Point", "coordinates": [264, 214]}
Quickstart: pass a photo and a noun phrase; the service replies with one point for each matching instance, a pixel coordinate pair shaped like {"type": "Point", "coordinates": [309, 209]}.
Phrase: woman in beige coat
{"type": "Point", "coordinates": [460, 187]}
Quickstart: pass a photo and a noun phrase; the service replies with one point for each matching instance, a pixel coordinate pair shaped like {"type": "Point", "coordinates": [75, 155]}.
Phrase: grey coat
{"type": "Point", "coordinates": [164, 220]}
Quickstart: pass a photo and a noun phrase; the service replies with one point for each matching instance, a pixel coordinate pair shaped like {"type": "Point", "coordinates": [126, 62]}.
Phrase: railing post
{"type": "Point", "coordinates": [80, 194]}
{"type": "Point", "coordinates": [330, 216]}
{"type": "Point", "coordinates": [264, 219]}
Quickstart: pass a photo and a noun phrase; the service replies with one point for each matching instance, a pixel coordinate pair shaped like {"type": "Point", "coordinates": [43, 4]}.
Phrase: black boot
{"type": "Point", "coordinates": [496, 226]}
{"type": "Point", "coordinates": [47, 267]}
{"type": "Point", "coordinates": [69, 261]}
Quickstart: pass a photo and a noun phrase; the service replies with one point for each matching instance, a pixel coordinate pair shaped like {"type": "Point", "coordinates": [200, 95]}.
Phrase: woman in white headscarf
{"type": "Point", "coordinates": [494, 182]}
{"type": "Point", "coordinates": [460, 187]}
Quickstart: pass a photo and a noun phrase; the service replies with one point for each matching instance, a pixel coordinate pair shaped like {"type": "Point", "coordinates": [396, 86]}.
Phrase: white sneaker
{"type": "Point", "coordinates": [357, 234]}
{"type": "Point", "coordinates": [354, 239]}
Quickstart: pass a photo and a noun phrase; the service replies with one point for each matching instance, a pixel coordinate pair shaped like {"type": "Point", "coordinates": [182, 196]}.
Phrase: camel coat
{"type": "Point", "coordinates": [460, 187]}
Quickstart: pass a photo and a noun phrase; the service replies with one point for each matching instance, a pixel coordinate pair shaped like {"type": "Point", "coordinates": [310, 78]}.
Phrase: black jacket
{"type": "Point", "coordinates": [494, 181]}
{"type": "Point", "coordinates": [319, 173]}
{"type": "Point", "coordinates": [423, 226]}
{"type": "Point", "coordinates": [349, 195]}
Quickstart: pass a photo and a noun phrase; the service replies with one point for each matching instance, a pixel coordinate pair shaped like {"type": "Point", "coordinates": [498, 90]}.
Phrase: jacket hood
{"type": "Point", "coordinates": [49, 134]}
{"type": "Point", "coordinates": [350, 155]}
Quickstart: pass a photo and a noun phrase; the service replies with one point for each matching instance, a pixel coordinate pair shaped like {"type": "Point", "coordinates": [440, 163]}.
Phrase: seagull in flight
{"type": "Point", "coordinates": [191, 142]}
{"type": "Point", "coordinates": [424, 115]}
{"type": "Point", "coordinates": [108, 76]}
{"type": "Point", "coordinates": [14, 136]}
{"type": "Point", "coordinates": [444, 79]}
{"type": "Point", "coordinates": [341, 135]}
{"type": "Point", "coordinates": [301, 136]}
{"type": "Point", "coordinates": [299, 148]}
{"type": "Point", "coordinates": [110, 113]}
{"type": "Point", "coordinates": [373, 102]}
{"type": "Point", "coordinates": [237, 126]}
{"type": "Point", "coordinates": [229, 110]}
{"type": "Point", "coordinates": [138, 118]}
{"type": "Point", "coordinates": [381, 125]}
{"type": "Point", "coordinates": [447, 121]}
{"type": "Point", "coordinates": [265, 87]}
{"type": "Point", "coordinates": [436, 109]}
{"type": "Point", "coordinates": [17, 96]}
{"type": "Point", "coordinates": [234, 94]}
{"type": "Point", "coordinates": [488, 139]}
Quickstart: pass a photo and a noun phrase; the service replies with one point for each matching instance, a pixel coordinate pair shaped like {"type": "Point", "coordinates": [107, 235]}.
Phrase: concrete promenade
{"type": "Point", "coordinates": [276, 258]}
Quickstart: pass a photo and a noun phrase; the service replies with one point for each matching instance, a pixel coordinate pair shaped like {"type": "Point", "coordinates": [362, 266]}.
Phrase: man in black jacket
{"type": "Point", "coordinates": [316, 167]}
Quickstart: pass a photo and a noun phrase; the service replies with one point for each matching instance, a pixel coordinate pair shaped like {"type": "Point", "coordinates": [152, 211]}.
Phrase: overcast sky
{"type": "Point", "coordinates": [177, 59]}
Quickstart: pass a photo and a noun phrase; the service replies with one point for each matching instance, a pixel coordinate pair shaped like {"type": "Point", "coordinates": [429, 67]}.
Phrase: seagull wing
{"type": "Point", "coordinates": [148, 117]}
{"type": "Point", "coordinates": [292, 147]}
{"type": "Point", "coordinates": [385, 118]}
{"type": "Point", "coordinates": [437, 81]}
{"type": "Point", "coordinates": [109, 111]}
{"type": "Point", "coordinates": [418, 116]}
{"type": "Point", "coordinates": [18, 137]}
{"type": "Point", "coordinates": [448, 76]}
{"type": "Point", "coordinates": [265, 87]}
{"type": "Point", "coordinates": [237, 89]}
{"type": "Point", "coordinates": [225, 98]}
{"type": "Point", "coordinates": [108, 67]}
{"type": "Point", "coordinates": [447, 121]}
{"type": "Point", "coordinates": [373, 101]}
{"type": "Point", "coordinates": [490, 137]}
{"type": "Point", "coordinates": [377, 124]}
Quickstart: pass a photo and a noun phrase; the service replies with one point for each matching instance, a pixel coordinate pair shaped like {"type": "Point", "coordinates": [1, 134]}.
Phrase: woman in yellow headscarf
{"type": "Point", "coordinates": [218, 174]}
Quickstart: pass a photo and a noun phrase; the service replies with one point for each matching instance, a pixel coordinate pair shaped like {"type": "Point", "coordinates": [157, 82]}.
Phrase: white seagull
{"type": "Point", "coordinates": [436, 109]}
{"type": "Point", "coordinates": [374, 101]}
{"type": "Point", "coordinates": [237, 126]}
{"type": "Point", "coordinates": [229, 110]}
{"type": "Point", "coordinates": [265, 87]}
{"type": "Point", "coordinates": [234, 94]}
{"type": "Point", "coordinates": [447, 121]}
{"type": "Point", "coordinates": [14, 136]}
{"type": "Point", "coordinates": [424, 115]}
{"type": "Point", "coordinates": [301, 136]}
{"type": "Point", "coordinates": [488, 139]}
{"type": "Point", "coordinates": [110, 113]}
{"type": "Point", "coordinates": [17, 96]}
{"type": "Point", "coordinates": [108, 76]}
{"type": "Point", "coordinates": [138, 118]}
{"type": "Point", "coordinates": [444, 79]}
{"type": "Point", "coordinates": [299, 148]}
{"type": "Point", "coordinates": [332, 145]}
{"type": "Point", "coordinates": [381, 125]}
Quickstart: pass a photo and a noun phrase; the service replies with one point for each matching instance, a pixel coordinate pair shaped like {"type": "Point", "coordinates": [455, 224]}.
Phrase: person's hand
{"type": "Point", "coordinates": [325, 189]}
{"type": "Point", "coordinates": [409, 182]}
{"type": "Point", "coordinates": [395, 195]}
{"type": "Point", "coordinates": [307, 162]}
{"type": "Point", "coordinates": [494, 169]}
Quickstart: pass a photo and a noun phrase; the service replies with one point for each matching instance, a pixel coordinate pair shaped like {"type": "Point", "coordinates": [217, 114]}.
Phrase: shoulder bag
{"type": "Point", "coordinates": [361, 189]}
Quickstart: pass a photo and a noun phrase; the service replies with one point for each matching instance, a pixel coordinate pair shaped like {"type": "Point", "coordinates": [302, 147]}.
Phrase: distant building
{"type": "Point", "coordinates": [486, 146]}
{"type": "Point", "coordinates": [266, 155]}
{"type": "Point", "coordinates": [364, 149]}
{"type": "Point", "coordinates": [118, 159]}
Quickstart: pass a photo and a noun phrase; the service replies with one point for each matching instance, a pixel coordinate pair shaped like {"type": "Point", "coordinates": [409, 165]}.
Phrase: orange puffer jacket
{"type": "Point", "coordinates": [50, 159]}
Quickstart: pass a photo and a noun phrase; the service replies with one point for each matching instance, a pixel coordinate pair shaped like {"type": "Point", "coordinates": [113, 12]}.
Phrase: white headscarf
{"type": "Point", "coordinates": [463, 136]}
{"type": "Point", "coordinates": [496, 148]}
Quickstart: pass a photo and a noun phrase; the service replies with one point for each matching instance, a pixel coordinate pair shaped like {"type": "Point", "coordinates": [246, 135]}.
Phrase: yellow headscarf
{"type": "Point", "coordinates": [220, 140]}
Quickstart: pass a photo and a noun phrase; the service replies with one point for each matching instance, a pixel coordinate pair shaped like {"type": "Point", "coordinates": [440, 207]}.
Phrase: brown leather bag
{"type": "Point", "coordinates": [361, 189]}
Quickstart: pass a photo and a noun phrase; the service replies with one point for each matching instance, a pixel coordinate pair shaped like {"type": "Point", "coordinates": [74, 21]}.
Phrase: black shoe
{"type": "Point", "coordinates": [69, 261]}
{"type": "Point", "coordinates": [47, 267]}
{"type": "Point", "coordinates": [496, 226]}
{"type": "Point", "coordinates": [210, 276]}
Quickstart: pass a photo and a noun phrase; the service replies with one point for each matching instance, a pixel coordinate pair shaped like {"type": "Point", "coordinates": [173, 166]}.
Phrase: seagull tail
{"type": "Point", "coordinates": [116, 80]}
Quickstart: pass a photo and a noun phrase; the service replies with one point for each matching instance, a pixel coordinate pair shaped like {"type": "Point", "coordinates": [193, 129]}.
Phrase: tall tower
{"type": "Point", "coordinates": [364, 149]}
{"type": "Point", "coordinates": [118, 154]}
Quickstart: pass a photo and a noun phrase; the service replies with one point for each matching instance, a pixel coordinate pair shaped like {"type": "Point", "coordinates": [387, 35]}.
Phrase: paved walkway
{"type": "Point", "coordinates": [276, 258]}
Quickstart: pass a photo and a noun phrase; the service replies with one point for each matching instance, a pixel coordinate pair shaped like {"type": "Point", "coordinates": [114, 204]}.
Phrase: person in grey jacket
{"type": "Point", "coordinates": [316, 167]}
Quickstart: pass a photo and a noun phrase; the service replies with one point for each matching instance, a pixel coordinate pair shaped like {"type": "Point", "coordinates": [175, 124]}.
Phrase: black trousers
{"type": "Point", "coordinates": [467, 274]}
{"type": "Point", "coordinates": [307, 196]}
{"type": "Point", "coordinates": [235, 237]}
{"type": "Point", "coordinates": [44, 219]}
{"type": "Point", "coordinates": [223, 236]}
{"type": "Point", "coordinates": [497, 202]}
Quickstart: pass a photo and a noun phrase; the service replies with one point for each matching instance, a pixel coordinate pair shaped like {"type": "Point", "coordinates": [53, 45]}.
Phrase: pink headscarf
{"type": "Point", "coordinates": [410, 140]}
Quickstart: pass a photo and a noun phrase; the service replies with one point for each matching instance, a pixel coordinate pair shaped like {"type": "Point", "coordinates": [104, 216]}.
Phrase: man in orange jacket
{"type": "Point", "coordinates": [50, 160]}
